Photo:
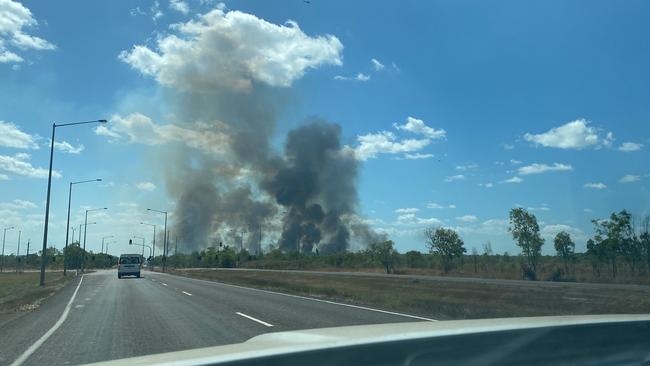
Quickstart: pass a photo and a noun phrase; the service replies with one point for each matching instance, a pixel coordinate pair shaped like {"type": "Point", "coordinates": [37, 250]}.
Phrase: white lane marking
{"type": "Point", "coordinates": [164, 284]}
{"type": "Point", "coordinates": [313, 299]}
{"type": "Point", "coordinates": [186, 293]}
{"type": "Point", "coordinates": [79, 306]}
{"type": "Point", "coordinates": [19, 361]}
{"type": "Point", "coordinates": [254, 319]}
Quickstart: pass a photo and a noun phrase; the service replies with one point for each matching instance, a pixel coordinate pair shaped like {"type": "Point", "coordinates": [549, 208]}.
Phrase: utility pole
{"type": "Point", "coordinates": [18, 251]}
{"type": "Point", "coordinates": [27, 255]}
{"type": "Point", "coordinates": [176, 244]}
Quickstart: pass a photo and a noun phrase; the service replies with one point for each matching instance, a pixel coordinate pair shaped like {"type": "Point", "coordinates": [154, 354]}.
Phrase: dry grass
{"type": "Point", "coordinates": [20, 291]}
{"type": "Point", "coordinates": [445, 299]}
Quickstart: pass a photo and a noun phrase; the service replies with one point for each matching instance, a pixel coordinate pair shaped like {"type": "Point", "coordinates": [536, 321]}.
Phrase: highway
{"type": "Point", "coordinates": [106, 318]}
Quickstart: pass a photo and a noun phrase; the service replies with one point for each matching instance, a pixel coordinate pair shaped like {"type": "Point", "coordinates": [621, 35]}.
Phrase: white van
{"type": "Point", "coordinates": [129, 265]}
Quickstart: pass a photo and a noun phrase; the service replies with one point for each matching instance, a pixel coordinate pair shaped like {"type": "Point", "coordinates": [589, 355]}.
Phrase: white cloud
{"type": "Point", "coordinates": [550, 231]}
{"type": "Point", "coordinates": [454, 178]}
{"type": "Point", "coordinates": [515, 162]}
{"type": "Point", "coordinates": [17, 205]}
{"type": "Point", "coordinates": [629, 178]}
{"type": "Point", "coordinates": [573, 135]}
{"type": "Point", "coordinates": [467, 218]}
{"type": "Point", "coordinates": [67, 147]}
{"type": "Point", "coordinates": [358, 77]}
{"type": "Point", "coordinates": [180, 6]}
{"type": "Point", "coordinates": [486, 185]}
{"type": "Point", "coordinates": [156, 13]}
{"type": "Point", "coordinates": [508, 146]}
{"type": "Point", "coordinates": [587, 210]}
{"type": "Point", "coordinates": [138, 128]}
{"type": "Point", "coordinates": [378, 66]}
{"type": "Point", "coordinates": [146, 186]}
{"type": "Point", "coordinates": [595, 185]}
{"type": "Point", "coordinates": [15, 18]}
{"type": "Point", "coordinates": [630, 146]}
{"type": "Point", "coordinates": [136, 11]}
{"type": "Point", "coordinates": [257, 51]}
{"type": "Point", "coordinates": [467, 167]}
{"type": "Point", "coordinates": [418, 126]}
{"type": "Point", "coordinates": [407, 210]}
{"type": "Point", "coordinates": [385, 142]}
{"type": "Point", "coordinates": [12, 136]}
{"type": "Point", "coordinates": [537, 168]}
{"type": "Point", "coordinates": [19, 165]}
{"type": "Point", "coordinates": [412, 219]}
{"type": "Point", "coordinates": [418, 156]}
{"type": "Point", "coordinates": [451, 206]}
{"type": "Point", "coordinates": [543, 207]}
{"type": "Point", "coordinates": [4, 177]}
{"type": "Point", "coordinates": [434, 205]}
{"type": "Point", "coordinates": [512, 180]}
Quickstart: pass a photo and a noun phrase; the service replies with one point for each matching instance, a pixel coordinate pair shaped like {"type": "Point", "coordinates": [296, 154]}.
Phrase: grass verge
{"type": "Point", "coordinates": [21, 292]}
{"type": "Point", "coordinates": [442, 299]}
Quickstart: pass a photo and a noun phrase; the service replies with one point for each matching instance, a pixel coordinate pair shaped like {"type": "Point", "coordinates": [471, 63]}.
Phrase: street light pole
{"type": "Point", "coordinates": [165, 237]}
{"type": "Point", "coordinates": [49, 187]}
{"type": "Point", "coordinates": [65, 256]}
{"type": "Point", "coordinates": [153, 244]}
{"type": "Point", "coordinates": [4, 235]}
{"type": "Point", "coordinates": [18, 251]}
{"type": "Point", "coordinates": [83, 261]}
{"type": "Point", "coordinates": [106, 237]}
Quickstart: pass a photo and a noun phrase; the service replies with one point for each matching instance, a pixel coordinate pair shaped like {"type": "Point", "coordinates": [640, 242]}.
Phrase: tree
{"type": "Point", "coordinates": [565, 248]}
{"type": "Point", "coordinates": [614, 237]}
{"type": "Point", "coordinates": [525, 231]}
{"type": "Point", "coordinates": [446, 243]}
{"type": "Point", "coordinates": [384, 253]}
{"type": "Point", "coordinates": [644, 239]}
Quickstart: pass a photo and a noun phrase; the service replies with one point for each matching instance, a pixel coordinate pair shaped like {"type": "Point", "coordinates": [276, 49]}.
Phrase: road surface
{"type": "Point", "coordinates": [109, 318]}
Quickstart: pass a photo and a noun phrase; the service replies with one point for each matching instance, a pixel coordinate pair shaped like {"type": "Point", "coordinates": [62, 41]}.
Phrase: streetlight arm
{"type": "Point", "coordinates": [81, 123]}
{"type": "Point", "coordinates": [88, 181]}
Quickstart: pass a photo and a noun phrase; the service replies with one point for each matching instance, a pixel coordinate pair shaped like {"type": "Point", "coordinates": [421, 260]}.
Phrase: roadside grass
{"type": "Point", "coordinates": [441, 299]}
{"type": "Point", "coordinates": [21, 292]}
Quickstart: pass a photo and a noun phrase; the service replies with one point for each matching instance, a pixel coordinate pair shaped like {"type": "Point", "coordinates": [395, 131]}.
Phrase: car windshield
{"type": "Point", "coordinates": [179, 174]}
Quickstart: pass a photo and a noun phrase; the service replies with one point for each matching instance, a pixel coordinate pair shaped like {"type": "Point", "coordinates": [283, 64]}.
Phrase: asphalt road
{"type": "Point", "coordinates": [111, 318]}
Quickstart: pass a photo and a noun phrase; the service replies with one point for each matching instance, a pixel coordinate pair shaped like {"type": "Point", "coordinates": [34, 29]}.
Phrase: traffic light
{"type": "Point", "coordinates": [130, 241]}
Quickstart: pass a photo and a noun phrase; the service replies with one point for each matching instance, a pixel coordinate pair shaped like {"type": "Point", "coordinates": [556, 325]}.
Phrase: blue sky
{"type": "Point", "coordinates": [469, 108]}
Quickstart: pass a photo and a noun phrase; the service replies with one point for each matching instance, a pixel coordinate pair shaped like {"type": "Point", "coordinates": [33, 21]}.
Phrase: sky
{"type": "Point", "coordinates": [456, 111]}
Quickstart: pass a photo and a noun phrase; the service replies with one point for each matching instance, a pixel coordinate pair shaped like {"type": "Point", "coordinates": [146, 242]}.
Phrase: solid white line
{"type": "Point", "coordinates": [186, 293]}
{"type": "Point", "coordinates": [164, 284]}
{"type": "Point", "coordinates": [313, 299]}
{"type": "Point", "coordinates": [254, 319]}
{"type": "Point", "coordinates": [19, 361]}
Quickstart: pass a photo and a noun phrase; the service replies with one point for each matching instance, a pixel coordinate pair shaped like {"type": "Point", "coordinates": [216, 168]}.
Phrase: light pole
{"type": "Point", "coordinates": [153, 260]}
{"type": "Point", "coordinates": [165, 237]}
{"type": "Point", "coordinates": [106, 237]}
{"type": "Point", "coordinates": [83, 262]}
{"type": "Point", "coordinates": [139, 237]}
{"type": "Point", "coordinates": [67, 231]}
{"type": "Point", "coordinates": [49, 187]}
{"type": "Point", "coordinates": [83, 252]}
{"type": "Point", "coordinates": [18, 251]}
{"type": "Point", "coordinates": [4, 235]}
{"type": "Point", "coordinates": [73, 230]}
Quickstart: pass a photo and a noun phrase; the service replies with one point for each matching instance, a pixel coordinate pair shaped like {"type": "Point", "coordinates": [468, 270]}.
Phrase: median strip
{"type": "Point", "coordinates": [254, 319]}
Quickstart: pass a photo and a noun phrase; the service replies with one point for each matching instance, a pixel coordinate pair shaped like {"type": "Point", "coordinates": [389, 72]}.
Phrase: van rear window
{"type": "Point", "coordinates": [129, 260]}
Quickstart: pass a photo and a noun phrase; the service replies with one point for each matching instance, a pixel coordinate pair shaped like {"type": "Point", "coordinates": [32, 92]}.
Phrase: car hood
{"type": "Point", "coordinates": [277, 343]}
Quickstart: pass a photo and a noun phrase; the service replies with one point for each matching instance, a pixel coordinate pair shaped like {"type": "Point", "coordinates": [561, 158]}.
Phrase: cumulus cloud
{"type": "Point", "coordinates": [454, 178]}
{"type": "Point", "coordinates": [577, 134]}
{"type": "Point", "coordinates": [407, 210]}
{"type": "Point", "coordinates": [378, 66]}
{"type": "Point", "coordinates": [146, 186]}
{"type": "Point", "coordinates": [17, 205]}
{"type": "Point", "coordinates": [12, 136]}
{"type": "Point", "coordinates": [467, 218]}
{"type": "Point", "coordinates": [418, 156]}
{"type": "Point", "coordinates": [180, 6]}
{"type": "Point", "coordinates": [67, 147]}
{"type": "Point", "coordinates": [412, 219]}
{"type": "Point", "coordinates": [512, 180]}
{"type": "Point", "coordinates": [630, 146]}
{"type": "Point", "coordinates": [550, 231]}
{"type": "Point", "coordinates": [260, 52]}
{"type": "Point", "coordinates": [419, 127]}
{"type": "Point", "coordinates": [138, 128]}
{"type": "Point", "coordinates": [15, 18]}
{"type": "Point", "coordinates": [598, 185]}
{"type": "Point", "coordinates": [385, 142]}
{"type": "Point", "coordinates": [18, 164]}
{"type": "Point", "coordinates": [515, 162]}
{"type": "Point", "coordinates": [629, 178]}
{"type": "Point", "coordinates": [537, 168]}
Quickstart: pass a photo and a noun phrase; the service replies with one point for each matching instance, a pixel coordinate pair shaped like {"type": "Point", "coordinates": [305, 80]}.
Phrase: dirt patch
{"type": "Point", "coordinates": [442, 299]}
